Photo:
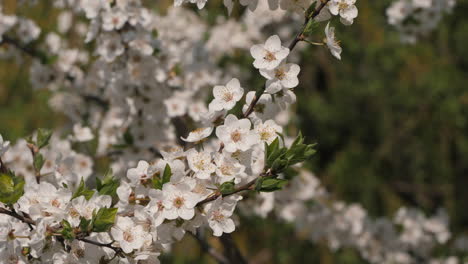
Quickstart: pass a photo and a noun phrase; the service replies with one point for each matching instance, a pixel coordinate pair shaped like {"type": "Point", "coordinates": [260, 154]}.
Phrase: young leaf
{"type": "Point", "coordinates": [43, 137]}
{"type": "Point", "coordinates": [157, 183]}
{"type": "Point", "coordinates": [108, 185]}
{"type": "Point", "coordinates": [85, 224]}
{"type": "Point", "coordinates": [83, 190]}
{"type": "Point", "coordinates": [38, 161]}
{"type": "Point", "coordinates": [227, 187]}
{"type": "Point", "coordinates": [67, 230]}
{"type": "Point", "coordinates": [11, 188]}
{"type": "Point", "coordinates": [167, 174]}
{"type": "Point", "coordinates": [104, 219]}
{"type": "Point", "coordinates": [270, 185]}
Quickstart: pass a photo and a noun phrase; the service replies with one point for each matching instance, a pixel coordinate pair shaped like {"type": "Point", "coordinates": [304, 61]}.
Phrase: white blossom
{"type": "Point", "coordinates": [269, 55]}
{"type": "Point", "coordinates": [236, 134]}
{"type": "Point", "coordinates": [82, 134]}
{"type": "Point", "coordinates": [332, 44]}
{"type": "Point", "coordinates": [218, 215]}
{"type": "Point", "coordinates": [129, 235]}
{"type": "Point", "coordinates": [268, 130]}
{"type": "Point", "coordinates": [283, 76]}
{"type": "Point", "coordinates": [200, 163]}
{"type": "Point", "coordinates": [179, 202]}
{"type": "Point", "coordinates": [345, 8]}
{"type": "Point", "coordinates": [198, 134]}
{"type": "Point", "coordinates": [226, 97]}
{"type": "Point", "coordinates": [4, 146]}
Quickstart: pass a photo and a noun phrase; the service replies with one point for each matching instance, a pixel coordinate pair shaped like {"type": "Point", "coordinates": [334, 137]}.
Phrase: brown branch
{"type": "Point", "coordinates": [29, 221]}
{"type": "Point", "coordinates": [299, 37]}
{"type": "Point", "coordinates": [34, 150]}
{"type": "Point", "coordinates": [117, 250]}
{"type": "Point", "coordinates": [29, 50]}
{"type": "Point", "coordinates": [3, 168]}
{"type": "Point", "coordinates": [220, 258]}
{"type": "Point", "coordinates": [231, 249]}
{"type": "Point", "coordinates": [14, 214]}
{"type": "Point", "coordinates": [245, 187]}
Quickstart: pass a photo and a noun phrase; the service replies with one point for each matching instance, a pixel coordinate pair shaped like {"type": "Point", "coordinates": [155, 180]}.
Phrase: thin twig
{"type": "Point", "coordinates": [29, 221]}
{"type": "Point", "coordinates": [24, 48]}
{"type": "Point", "coordinates": [34, 150]}
{"type": "Point", "coordinates": [245, 187]}
{"type": "Point", "coordinates": [299, 37]}
{"type": "Point", "coordinates": [231, 249]}
{"type": "Point", "coordinates": [17, 216]}
{"type": "Point", "coordinates": [117, 250]}
{"type": "Point", "coordinates": [220, 258]}
{"type": "Point", "coordinates": [3, 168]}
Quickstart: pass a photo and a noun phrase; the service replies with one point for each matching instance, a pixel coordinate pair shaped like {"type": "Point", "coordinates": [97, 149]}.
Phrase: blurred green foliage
{"type": "Point", "coordinates": [390, 120]}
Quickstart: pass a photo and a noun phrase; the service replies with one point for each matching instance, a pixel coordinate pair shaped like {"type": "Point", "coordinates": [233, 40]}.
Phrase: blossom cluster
{"type": "Point", "coordinates": [416, 18]}
{"type": "Point", "coordinates": [409, 238]}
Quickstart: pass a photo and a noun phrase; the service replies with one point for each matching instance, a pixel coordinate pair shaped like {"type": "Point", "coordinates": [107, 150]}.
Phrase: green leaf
{"type": "Point", "coordinates": [38, 161]}
{"type": "Point", "coordinates": [275, 156]}
{"type": "Point", "coordinates": [227, 187]}
{"type": "Point", "coordinates": [258, 183]}
{"type": "Point", "coordinates": [67, 230]}
{"type": "Point", "coordinates": [279, 165]}
{"type": "Point", "coordinates": [85, 224]}
{"type": "Point", "coordinates": [310, 10]}
{"type": "Point", "coordinates": [11, 188]}
{"type": "Point", "coordinates": [167, 174]}
{"type": "Point", "coordinates": [29, 139]}
{"type": "Point", "coordinates": [298, 141]}
{"type": "Point", "coordinates": [83, 190]}
{"type": "Point", "coordinates": [108, 185]}
{"type": "Point", "coordinates": [157, 183]}
{"type": "Point", "coordinates": [104, 219]}
{"type": "Point", "coordinates": [43, 137]}
{"type": "Point", "coordinates": [311, 26]}
{"type": "Point", "coordinates": [270, 185]}
{"type": "Point", "coordinates": [272, 147]}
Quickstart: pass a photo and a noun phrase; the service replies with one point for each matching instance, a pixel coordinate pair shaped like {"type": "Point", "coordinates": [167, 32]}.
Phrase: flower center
{"type": "Point", "coordinates": [228, 96]}
{"type": "Point", "coordinates": [236, 136]}
{"type": "Point", "coordinates": [218, 216]}
{"type": "Point", "coordinates": [79, 253]}
{"type": "Point", "coordinates": [269, 56]}
{"type": "Point", "coordinates": [127, 236]}
{"type": "Point", "coordinates": [280, 74]}
{"type": "Point", "coordinates": [160, 205]}
{"type": "Point", "coordinates": [83, 164]}
{"type": "Point", "coordinates": [74, 213]}
{"type": "Point", "coordinates": [115, 21]}
{"type": "Point", "coordinates": [226, 169]}
{"type": "Point", "coordinates": [198, 130]}
{"type": "Point", "coordinates": [265, 135]}
{"type": "Point", "coordinates": [343, 6]}
{"type": "Point", "coordinates": [200, 164]}
{"type": "Point", "coordinates": [55, 203]}
{"type": "Point", "coordinates": [179, 202]}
